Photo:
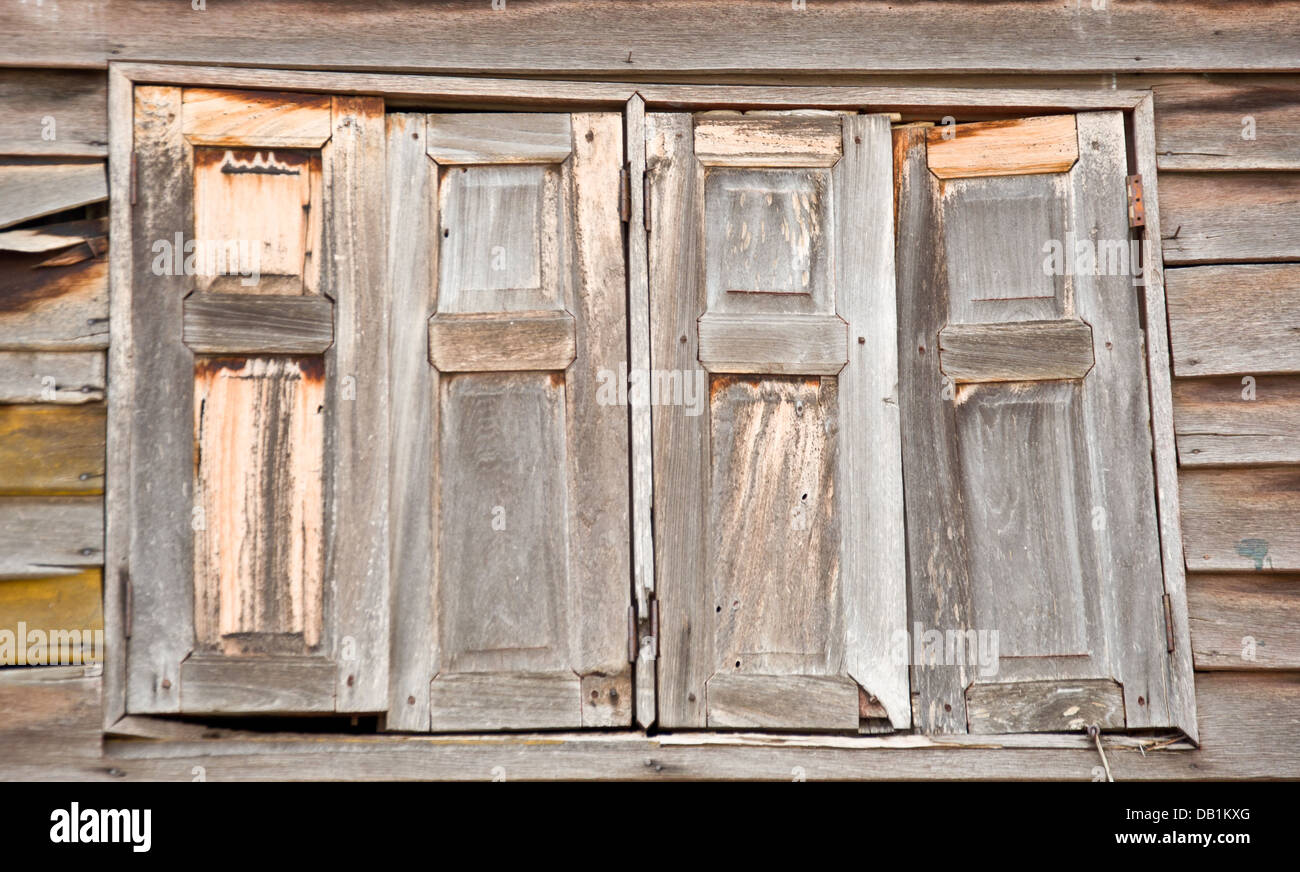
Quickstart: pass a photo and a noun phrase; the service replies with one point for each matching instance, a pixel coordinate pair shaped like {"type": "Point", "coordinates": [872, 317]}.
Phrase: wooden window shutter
{"type": "Point", "coordinates": [1031, 505]}
{"type": "Point", "coordinates": [778, 529]}
{"type": "Point", "coordinates": [256, 369]}
{"type": "Point", "coordinates": [510, 448]}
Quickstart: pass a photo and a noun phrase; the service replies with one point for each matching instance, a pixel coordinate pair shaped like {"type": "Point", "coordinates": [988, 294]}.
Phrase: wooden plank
{"type": "Point", "coordinates": [50, 536]}
{"type": "Point", "coordinates": [1234, 319]}
{"type": "Point", "coordinates": [356, 440]}
{"type": "Point", "coordinates": [280, 685]}
{"type": "Point", "coordinates": [252, 324]}
{"type": "Point", "coordinates": [1017, 351]}
{"type": "Point", "coordinates": [31, 188]}
{"type": "Point", "coordinates": [1017, 147]}
{"type": "Point", "coordinates": [52, 720]}
{"type": "Point", "coordinates": [537, 700]}
{"type": "Point", "coordinates": [413, 419]}
{"type": "Point", "coordinates": [51, 377]}
{"type": "Point", "coordinates": [773, 344]}
{"type": "Point", "coordinates": [1244, 622]}
{"type": "Point", "coordinates": [1230, 217]}
{"type": "Point", "coordinates": [51, 449]}
{"type": "Point", "coordinates": [874, 554]}
{"type": "Point", "coordinates": [499, 138]}
{"type": "Point", "coordinates": [54, 113]}
{"type": "Point", "coordinates": [515, 341]}
{"type": "Point", "coordinates": [806, 702]}
{"type": "Point", "coordinates": [67, 609]}
{"type": "Point", "coordinates": [1228, 123]}
{"type": "Point", "coordinates": [1241, 519]}
{"type": "Point", "coordinates": [596, 38]}
{"type": "Point", "coordinates": [807, 140]}
{"type": "Point", "coordinates": [1181, 691]}
{"type": "Point", "coordinates": [53, 237]}
{"type": "Point", "coordinates": [255, 119]}
{"type": "Point", "coordinates": [1045, 706]}
{"type": "Point", "coordinates": [53, 308]}
{"type": "Point", "coordinates": [1237, 421]}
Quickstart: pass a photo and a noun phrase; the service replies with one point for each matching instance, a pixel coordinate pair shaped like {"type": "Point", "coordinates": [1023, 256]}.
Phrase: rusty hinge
{"type": "Point", "coordinates": [1169, 623]}
{"type": "Point", "coordinates": [133, 178]}
{"type": "Point", "coordinates": [645, 200]}
{"type": "Point", "coordinates": [631, 634]}
{"type": "Point", "coordinates": [128, 594]}
{"type": "Point", "coordinates": [1137, 212]}
{"type": "Point", "coordinates": [625, 193]}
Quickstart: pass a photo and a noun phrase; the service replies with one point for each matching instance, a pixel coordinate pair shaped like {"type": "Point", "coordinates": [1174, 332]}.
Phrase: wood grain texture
{"type": "Point", "coordinates": [1237, 421]}
{"type": "Point", "coordinates": [68, 609]}
{"type": "Point", "coordinates": [538, 701]}
{"type": "Point", "coordinates": [1245, 622]}
{"type": "Point", "coordinates": [1234, 319]}
{"type": "Point", "coordinates": [1228, 122]}
{"type": "Point", "coordinates": [50, 536]}
{"type": "Point", "coordinates": [53, 237]}
{"type": "Point", "coordinates": [254, 324]}
{"type": "Point", "coordinates": [1230, 217]}
{"type": "Point", "coordinates": [280, 685]}
{"type": "Point", "coordinates": [52, 449]}
{"type": "Point", "coordinates": [499, 138]}
{"type": "Point", "coordinates": [1045, 706]}
{"type": "Point", "coordinates": [810, 702]}
{"type": "Point", "coordinates": [31, 188]}
{"type": "Point", "coordinates": [516, 341]}
{"type": "Point", "coordinates": [758, 140]}
{"type": "Point", "coordinates": [776, 344]}
{"type": "Point", "coordinates": [68, 378]}
{"type": "Point", "coordinates": [1241, 519]}
{"type": "Point", "coordinates": [1023, 146]}
{"type": "Point", "coordinates": [53, 113]}
{"type": "Point", "coordinates": [53, 308]}
{"type": "Point", "coordinates": [596, 37]}
{"type": "Point", "coordinates": [255, 119]}
{"type": "Point", "coordinates": [1018, 351]}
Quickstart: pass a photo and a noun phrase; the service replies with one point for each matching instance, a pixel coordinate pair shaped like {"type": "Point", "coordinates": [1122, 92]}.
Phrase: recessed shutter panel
{"type": "Point", "coordinates": [257, 392]}
{"type": "Point", "coordinates": [510, 505]}
{"type": "Point", "coordinates": [777, 498]}
{"type": "Point", "coordinates": [1034, 547]}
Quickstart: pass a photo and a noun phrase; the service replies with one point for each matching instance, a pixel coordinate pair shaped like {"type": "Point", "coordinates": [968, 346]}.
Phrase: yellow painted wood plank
{"type": "Point", "coordinates": [64, 614]}
{"type": "Point", "coordinates": [50, 449]}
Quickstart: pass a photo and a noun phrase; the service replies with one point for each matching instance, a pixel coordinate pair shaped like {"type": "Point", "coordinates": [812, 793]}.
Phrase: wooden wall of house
{"type": "Point", "coordinates": [1229, 195]}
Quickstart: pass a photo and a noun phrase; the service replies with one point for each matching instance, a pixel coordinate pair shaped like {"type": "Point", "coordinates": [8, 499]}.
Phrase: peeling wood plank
{"type": "Point", "coordinates": [1234, 319]}
{"type": "Point", "coordinates": [53, 308]}
{"type": "Point", "coordinates": [1230, 217]}
{"type": "Point", "coordinates": [514, 341]}
{"type": "Point", "coordinates": [1017, 351]}
{"type": "Point", "coordinates": [255, 119]}
{"type": "Point", "coordinates": [50, 536]}
{"type": "Point", "coordinates": [1237, 421]}
{"type": "Point", "coordinates": [1240, 520]}
{"type": "Point", "coordinates": [1044, 706]}
{"type": "Point", "coordinates": [32, 188]}
{"type": "Point", "coordinates": [1245, 622]}
{"type": "Point", "coordinates": [53, 237]}
{"type": "Point", "coordinates": [773, 344]}
{"type": "Point", "coordinates": [256, 324]}
{"type": "Point", "coordinates": [51, 377]}
{"type": "Point", "coordinates": [52, 449]}
{"type": "Point", "coordinates": [1023, 146]}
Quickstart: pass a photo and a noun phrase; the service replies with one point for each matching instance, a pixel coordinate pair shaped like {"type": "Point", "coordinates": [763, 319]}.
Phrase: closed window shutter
{"type": "Point", "coordinates": [1031, 516]}
{"type": "Point", "coordinates": [510, 441]}
{"type": "Point", "coordinates": [777, 485]}
{"type": "Point", "coordinates": [258, 405]}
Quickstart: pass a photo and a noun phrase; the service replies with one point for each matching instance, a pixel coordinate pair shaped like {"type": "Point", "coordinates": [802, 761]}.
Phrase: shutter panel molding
{"type": "Point", "coordinates": [778, 520]}
{"type": "Point", "coordinates": [255, 388]}
{"type": "Point", "coordinates": [1031, 497]}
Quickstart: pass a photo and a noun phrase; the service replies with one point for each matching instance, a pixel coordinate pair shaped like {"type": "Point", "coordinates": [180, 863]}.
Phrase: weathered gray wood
{"type": "Point", "coordinates": [808, 702]}
{"type": "Point", "coordinates": [354, 266]}
{"type": "Point", "coordinates": [279, 685]}
{"type": "Point", "coordinates": [775, 344]}
{"type": "Point", "coordinates": [1016, 351]}
{"type": "Point", "coordinates": [873, 559]}
{"type": "Point", "coordinates": [1241, 519]}
{"type": "Point", "coordinates": [596, 37]}
{"type": "Point", "coordinates": [1234, 319]}
{"type": "Point", "coordinates": [51, 377]}
{"type": "Point", "coordinates": [504, 700]}
{"type": "Point", "coordinates": [52, 237]}
{"type": "Point", "coordinates": [49, 536]}
{"type": "Point", "coordinates": [53, 113]}
{"type": "Point", "coordinates": [1228, 122]}
{"type": "Point", "coordinates": [523, 137]}
{"type": "Point", "coordinates": [795, 140]}
{"type": "Point", "coordinates": [31, 188]}
{"type": "Point", "coordinates": [412, 419]}
{"type": "Point", "coordinates": [511, 342]}
{"type": "Point", "coordinates": [939, 583]}
{"type": "Point", "coordinates": [1237, 420]}
{"type": "Point", "coordinates": [1045, 706]}
{"type": "Point", "coordinates": [1230, 217]}
{"type": "Point", "coordinates": [1182, 693]}
{"type": "Point", "coordinates": [642, 452]}
{"type": "Point", "coordinates": [1245, 621]}
{"type": "Point", "coordinates": [53, 308]}
{"type": "Point", "coordinates": [253, 324]}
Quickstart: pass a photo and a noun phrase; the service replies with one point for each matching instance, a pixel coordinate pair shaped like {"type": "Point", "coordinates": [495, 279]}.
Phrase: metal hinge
{"type": "Point", "coordinates": [1169, 623]}
{"type": "Point", "coordinates": [625, 193]}
{"type": "Point", "coordinates": [631, 634]}
{"type": "Point", "coordinates": [133, 177]}
{"type": "Point", "coordinates": [1137, 213]}
{"type": "Point", "coordinates": [645, 200]}
{"type": "Point", "coordinates": [128, 596]}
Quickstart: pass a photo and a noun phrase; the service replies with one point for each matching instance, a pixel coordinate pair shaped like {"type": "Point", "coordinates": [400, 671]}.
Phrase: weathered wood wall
{"type": "Point", "coordinates": [1227, 98]}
